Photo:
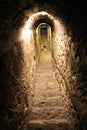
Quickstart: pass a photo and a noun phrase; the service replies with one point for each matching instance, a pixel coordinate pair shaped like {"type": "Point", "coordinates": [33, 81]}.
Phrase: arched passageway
{"type": "Point", "coordinates": [48, 96]}
{"type": "Point", "coordinates": [20, 60]}
{"type": "Point", "coordinates": [44, 45]}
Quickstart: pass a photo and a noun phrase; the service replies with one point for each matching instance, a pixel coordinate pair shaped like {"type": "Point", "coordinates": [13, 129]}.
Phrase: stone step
{"type": "Point", "coordinates": [53, 124]}
{"type": "Point", "coordinates": [43, 69]}
{"type": "Point", "coordinates": [48, 113]}
{"type": "Point", "coordinates": [45, 66]}
{"type": "Point", "coordinates": [44, 101]}
{"type": "Point", "coordinates": [47, 79]}
{"type": "Point", "coordinates": [46, 85]}
{"type": "Point", "coordinates": [45, 74]}
{"type": "Point", "coordinates": [47, 93]}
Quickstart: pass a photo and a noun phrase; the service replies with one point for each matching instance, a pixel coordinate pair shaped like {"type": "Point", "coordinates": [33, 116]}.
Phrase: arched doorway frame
{"type": "Point", "coordinates": [38, 37]}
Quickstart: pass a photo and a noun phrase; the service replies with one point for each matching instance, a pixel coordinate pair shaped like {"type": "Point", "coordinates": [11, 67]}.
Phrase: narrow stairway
{"type": "Point", "coordinates": [49, 111]}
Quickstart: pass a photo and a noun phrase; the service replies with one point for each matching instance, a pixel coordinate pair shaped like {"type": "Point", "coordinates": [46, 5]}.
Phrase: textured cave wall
{"type": "Point", "coordinates": [16, 77]}
{"type": "Point", "coordinates": [74, 70]}
{"type": "Point", "coordinates": [17, 66]}
{"type": "Point", "coordinates": [62, 66]}
{"type": "Point", "coordinates": [78, 80]}
{"type": "Point", "coordinates": [70, 61]}
{"type": "Point", "coordinates": [14, 86]}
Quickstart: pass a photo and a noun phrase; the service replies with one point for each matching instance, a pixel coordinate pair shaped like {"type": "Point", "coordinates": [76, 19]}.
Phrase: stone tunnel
{"type": "Point", "coordinates": [43, 65]}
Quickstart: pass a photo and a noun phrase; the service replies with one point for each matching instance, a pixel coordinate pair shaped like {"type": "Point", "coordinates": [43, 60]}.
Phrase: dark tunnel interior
{"type": "Point", "coordinates": [43, 65]}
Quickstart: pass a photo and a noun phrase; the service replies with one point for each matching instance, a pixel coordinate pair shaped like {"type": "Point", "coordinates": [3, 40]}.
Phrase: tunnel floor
{"type": "Point", "coordinates": [49, 111]}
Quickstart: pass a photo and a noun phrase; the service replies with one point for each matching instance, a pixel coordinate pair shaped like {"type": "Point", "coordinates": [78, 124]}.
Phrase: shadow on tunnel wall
{"type": "Point", "coordinates": [13, 99]}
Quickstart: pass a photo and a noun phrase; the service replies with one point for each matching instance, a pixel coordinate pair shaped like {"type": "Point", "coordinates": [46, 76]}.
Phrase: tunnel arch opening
{"type": "Point", "coordinates": [46, 20]}
{"type": "Point", "coordinates": [29, 43]}
{"type": "Point", "coordinates": [43, 41]}
{"type": "Point", "coordinates": [43, 19]}
{"type": "Point", "coordinates": [31, 27]}
{"type": "Point", "coordinates": [60, 50]}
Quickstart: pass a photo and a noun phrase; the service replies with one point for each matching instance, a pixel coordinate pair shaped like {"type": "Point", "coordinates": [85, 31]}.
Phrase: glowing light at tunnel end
{"type": "Point", "coordinates": [26, 28]}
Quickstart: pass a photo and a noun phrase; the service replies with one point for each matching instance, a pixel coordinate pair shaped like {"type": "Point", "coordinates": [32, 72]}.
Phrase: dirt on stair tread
{"type": "Point", "coordinates": [45, 101]}
{"type": "Point", "coordinates": [48, 113]}
{"type": "Point", "coordinates": [44, 79]}
{"type": "Point", "coordinates": [58, 107]}
{"type": "Point", "coordinates": [40, 110]}
{"type": "Point", "coordinates": [52, 124]}
{"type": "Point", "coordinates": [49, 121]}
{"type": "Point", "coordinates": [47, 94]}
{"type": "Point", "coordinates": [52, 84]}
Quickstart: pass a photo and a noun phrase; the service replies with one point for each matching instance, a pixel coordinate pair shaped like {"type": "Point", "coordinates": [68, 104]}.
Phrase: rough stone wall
{"type": "Point", "coordinates": [78, 80]}
{"type": "Point", "coordinates": [17, 66]}
{"type": "Point", "coordinates": [62, 66]}
{"type": "Point", "coordinates": [13, 87]}
{"type": "Point", "coordinates": [70, 65]}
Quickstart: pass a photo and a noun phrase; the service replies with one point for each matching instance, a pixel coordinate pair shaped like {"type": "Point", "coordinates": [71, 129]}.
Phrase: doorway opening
{"type": "Point", "coordinates": [44, 43]}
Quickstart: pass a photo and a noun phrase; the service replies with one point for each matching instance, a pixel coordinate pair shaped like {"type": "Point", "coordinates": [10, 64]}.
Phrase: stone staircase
{"type": "Point", "coordinates": [49, 111]}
